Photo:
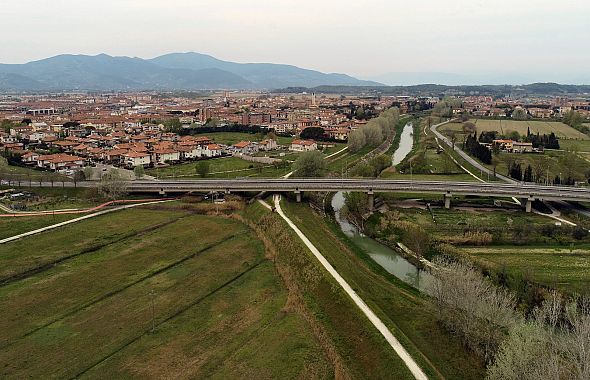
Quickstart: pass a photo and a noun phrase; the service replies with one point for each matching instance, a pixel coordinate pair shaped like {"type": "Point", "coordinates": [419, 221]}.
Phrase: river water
{"type": "Point", "coordinates": [389, 259]}
{"type": "Point", "coordinates": [406, 143]}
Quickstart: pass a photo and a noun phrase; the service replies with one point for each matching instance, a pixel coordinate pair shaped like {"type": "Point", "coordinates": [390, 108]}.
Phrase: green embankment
{"type": "Point", "coordinates": [409, 314]}
{"type": "Point", "coordinates": [357, 347]}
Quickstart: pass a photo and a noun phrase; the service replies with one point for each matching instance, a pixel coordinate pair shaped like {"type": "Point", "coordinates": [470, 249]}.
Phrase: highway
{"type": "Point", "coordinates": [490, 189]}
{"type": "Point", "coordinates": [518, 190]}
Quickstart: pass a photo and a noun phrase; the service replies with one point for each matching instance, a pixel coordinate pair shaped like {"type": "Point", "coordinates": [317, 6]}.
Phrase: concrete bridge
{"type": "Point", "coordinates": [526, 192]}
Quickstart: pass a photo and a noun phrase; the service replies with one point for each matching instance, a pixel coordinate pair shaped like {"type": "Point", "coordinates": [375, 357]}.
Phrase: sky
{"type": "Point", "coordinates": [541, 39]}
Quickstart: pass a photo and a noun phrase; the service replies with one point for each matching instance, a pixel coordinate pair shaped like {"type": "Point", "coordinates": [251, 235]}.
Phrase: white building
{"type": "Point", "coordinates": [303, 145]}
{"type": "Point", "coordinates": [268, 144]}
{"type": "Point", "coordinates": [133, 159]}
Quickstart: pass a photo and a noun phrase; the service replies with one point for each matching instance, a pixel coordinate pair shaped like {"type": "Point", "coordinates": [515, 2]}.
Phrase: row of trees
{"type": "Point", "coordinates": [477, 150]}
{"type": "Point", "coordinates": [444, 108]}
{"type": "Point", "coordinates": [375, 132]}
{"type": "Point", "coordinates": [372, 168]}
{"type": "Point", "coordinates": [576, 120]}
{"type": "Point", "coordinates": [549, 343]}
{"type": "Point", "coordinates": [549, 141]}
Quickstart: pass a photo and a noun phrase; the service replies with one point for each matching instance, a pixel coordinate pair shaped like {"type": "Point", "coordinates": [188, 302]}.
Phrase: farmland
{"type": "Point", "coordinates": [150, 292]}
{"type": "Point", "coordinates": [567, 269]}
{"type": "Point", "coordinates": [166, 290]}
{"type": "Point", "coordinates": [504, 127]}
{"type": "Point", "coordinates": [11, 226]}
{"type": "Point", "coordinates": [568, 162]}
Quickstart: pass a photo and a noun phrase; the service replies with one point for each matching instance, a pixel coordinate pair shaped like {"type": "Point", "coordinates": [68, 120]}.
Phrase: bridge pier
{"type": "Point", "coordinates": [529, 205]}
{"type": "Point", "coordinates": [448, 198]}
{"type": "Point", "coordinates": [162, 192]}
{"type": "Point", "coordinates": [371, 200]}
{"type": "Point", "coordinates": [298, 196]}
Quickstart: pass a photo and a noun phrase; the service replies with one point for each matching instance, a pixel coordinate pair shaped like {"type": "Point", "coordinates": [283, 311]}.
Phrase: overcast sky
{"type": "Point", "coordinates": [363, 38]}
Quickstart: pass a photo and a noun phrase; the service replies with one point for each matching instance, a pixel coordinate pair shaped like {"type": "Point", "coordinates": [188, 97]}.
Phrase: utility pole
{"type": "Point", "coordinates": [152, 296]}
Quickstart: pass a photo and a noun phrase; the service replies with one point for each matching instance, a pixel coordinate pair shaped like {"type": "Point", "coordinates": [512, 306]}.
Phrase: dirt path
{"type": "Point", "coordinates": [373, 318]}
{"type": "Point", "coordinates": [57, 225]}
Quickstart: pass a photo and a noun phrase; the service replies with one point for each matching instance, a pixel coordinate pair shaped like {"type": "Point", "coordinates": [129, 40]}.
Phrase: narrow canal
{"type": "Point", "coordinates": [389, 259]}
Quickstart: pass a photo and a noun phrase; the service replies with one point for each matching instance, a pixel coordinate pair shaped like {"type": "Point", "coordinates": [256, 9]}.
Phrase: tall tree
{"type": "Point", "coordinates": [310, 164]}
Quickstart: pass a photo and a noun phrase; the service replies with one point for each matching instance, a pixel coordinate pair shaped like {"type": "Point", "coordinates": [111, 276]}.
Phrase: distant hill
{"type": "Point", "coordinates": [263, 75]}
{"type": "Point", "coordinates": [182, 71]}
{"type": "Point", "coordinates": [457, 79]}
{"type": "Point", "coordinates": [442, 90]}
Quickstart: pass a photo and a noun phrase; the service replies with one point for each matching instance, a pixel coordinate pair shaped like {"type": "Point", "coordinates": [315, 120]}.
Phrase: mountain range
{"type": "Point", "coordinates": [483, 78]}
{"type": "Point", "coordinates": [176, 71]}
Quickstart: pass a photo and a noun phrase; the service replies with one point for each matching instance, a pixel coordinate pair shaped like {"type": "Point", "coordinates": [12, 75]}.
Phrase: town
{"type": "Point", "coordinates": [66, 132]}
{"type": "Point", "coordinates": [295, 190]}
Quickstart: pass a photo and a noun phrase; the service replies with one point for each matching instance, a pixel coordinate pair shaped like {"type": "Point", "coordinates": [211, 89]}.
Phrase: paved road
{"type": "Point", "coordinates": [491, 189]}
{"type": "Point", "coordinates": [517, 190]}
{"type": "Point", "coordinates": [393, 342]}
{"type": "Point", "coordinates": [467, 157]}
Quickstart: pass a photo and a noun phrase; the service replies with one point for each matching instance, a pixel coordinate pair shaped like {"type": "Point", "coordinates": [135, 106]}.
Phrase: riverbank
{"type": "Point", "coordinates": [406, 312]}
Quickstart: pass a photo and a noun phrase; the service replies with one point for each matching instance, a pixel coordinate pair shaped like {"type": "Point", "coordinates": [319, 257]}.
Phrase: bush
{"type": "Point", "coordinates": [579, 233]}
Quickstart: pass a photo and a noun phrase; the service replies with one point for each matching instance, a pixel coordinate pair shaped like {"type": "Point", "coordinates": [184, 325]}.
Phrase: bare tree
{"type": "Point", "coordinates": [112, 186]}
{"type": "Point", "coordinates": [356, 140]}
{"type": "Point", "coordinates": [540, 168]}
{"type": "Point", "coordinates": [472, 307]}
{"type": "Point", "coordinates": [373, 134]}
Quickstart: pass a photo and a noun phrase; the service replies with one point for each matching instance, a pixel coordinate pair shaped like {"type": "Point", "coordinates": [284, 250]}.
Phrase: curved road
{"type": "Point", "coordinates": [467, 157]}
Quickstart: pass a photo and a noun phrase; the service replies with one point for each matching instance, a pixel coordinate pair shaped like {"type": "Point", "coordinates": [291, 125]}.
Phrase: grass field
{"type": "Point", "coordinates": [150, 293]}
{"type": "Point", "coordinates": [14, 226]}
{"type": "Point", "coordinates": [227, 167]}
{"type": "Point", "coordinates": [427, 162]}
{"type": "Point", "coordinates": [566, 163]}
{"type": "Point", "coordinates": [451, 226]}
{"type": "Point", "coordinates": [504, 127]}
{"type": "Point", "coordinates": [550, 266]}
{"type": "Point", "coordinates": [408, 314]}
{"type": "Point", "coordinates": [58, 198]}
{"type": "Point", "coordinates": [230, 138]}
{"type": "Point", "coordinates": [575, 145]}
{"type": "Point", "coordinates": [15, 173]}
{"type": "Point", "coordinates": [346, 159]}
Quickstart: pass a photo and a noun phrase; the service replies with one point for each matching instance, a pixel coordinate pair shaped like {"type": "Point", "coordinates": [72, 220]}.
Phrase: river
{"type": "Point", "coordinates": [389, 259]}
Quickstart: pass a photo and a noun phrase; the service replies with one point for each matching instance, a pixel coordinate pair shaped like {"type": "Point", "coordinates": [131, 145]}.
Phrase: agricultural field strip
{"type": "Point", "coordinates": [53, 226]}
{"type": "Point", "coordinates": [156, 272]}
{"type": "Point", "coordinates": [171, 317]}
{"type": "Point", "coordinates": [48, 265]}
{"type": "Point", "coordinates": [393, 342]}
{"type": "Point", "coordinates": [542, 127]}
